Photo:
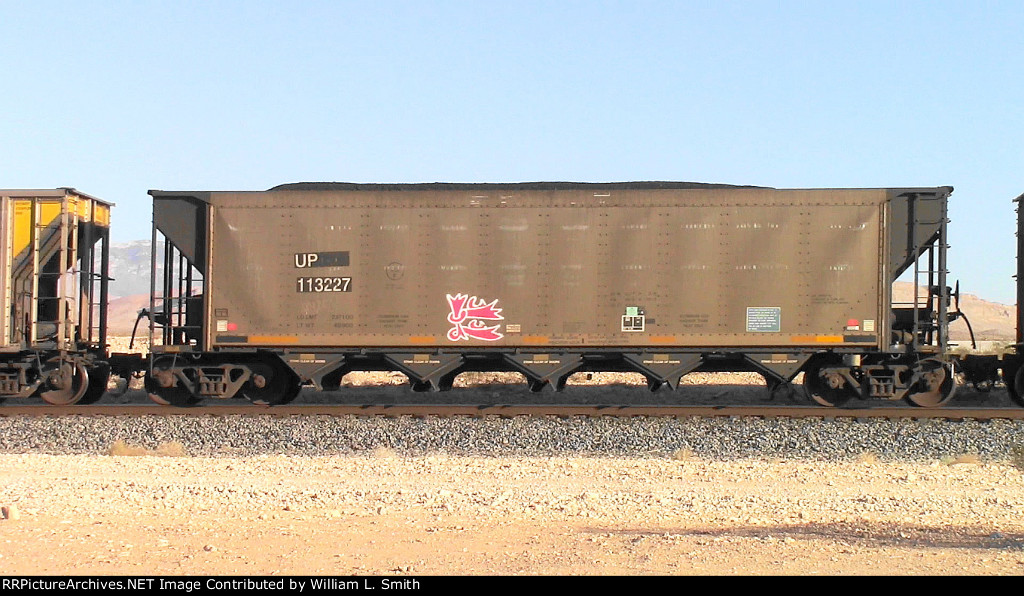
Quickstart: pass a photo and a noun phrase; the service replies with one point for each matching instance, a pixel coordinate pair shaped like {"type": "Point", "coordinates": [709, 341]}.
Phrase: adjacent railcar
{"type": "Point", "coordinates": [54, 252]}
{"type": "Point", "coordinates": [1008, 364]}
{"type": "Point", "coordinates": [257, 293]}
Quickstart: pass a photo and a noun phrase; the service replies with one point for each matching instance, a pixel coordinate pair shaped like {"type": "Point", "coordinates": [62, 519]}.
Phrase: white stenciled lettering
{"type": "Point", "coordinates": [323, 284]}
{"type": "Point", "coordinates": [306, 259]}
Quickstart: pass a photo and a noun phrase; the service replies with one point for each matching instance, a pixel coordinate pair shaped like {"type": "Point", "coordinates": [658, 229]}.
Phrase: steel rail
{"type": "Point", "coordinates": [507, 411]}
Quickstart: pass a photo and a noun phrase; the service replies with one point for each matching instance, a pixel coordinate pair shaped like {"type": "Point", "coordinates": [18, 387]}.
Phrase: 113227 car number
{"type": "Point", "coordinates": [323, 284]}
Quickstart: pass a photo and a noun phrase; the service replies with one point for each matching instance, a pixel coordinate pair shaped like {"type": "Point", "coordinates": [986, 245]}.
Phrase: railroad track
{"type": "Point", "coordinates": [431, 410]}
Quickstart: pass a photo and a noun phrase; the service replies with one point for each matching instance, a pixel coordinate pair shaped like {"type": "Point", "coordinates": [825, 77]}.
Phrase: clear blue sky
{"type": "Point", "coordinates": [115, 98]}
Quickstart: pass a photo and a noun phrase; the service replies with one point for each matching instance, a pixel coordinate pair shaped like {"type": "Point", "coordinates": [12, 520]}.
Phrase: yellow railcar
{"type": "Point", "coordinates": [55, 252]}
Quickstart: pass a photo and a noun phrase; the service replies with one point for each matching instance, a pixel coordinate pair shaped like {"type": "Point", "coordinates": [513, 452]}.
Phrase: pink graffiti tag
{"type": "Point", "coordinates": [465, 315]}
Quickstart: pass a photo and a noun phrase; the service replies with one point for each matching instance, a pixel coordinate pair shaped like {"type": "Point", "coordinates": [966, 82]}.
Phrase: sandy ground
{"type": "Point", "coordinates": [383, 514]}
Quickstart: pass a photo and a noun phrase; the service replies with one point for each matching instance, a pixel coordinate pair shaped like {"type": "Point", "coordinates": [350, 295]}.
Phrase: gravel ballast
{"type": "Point", "coordinates": [723, 438]}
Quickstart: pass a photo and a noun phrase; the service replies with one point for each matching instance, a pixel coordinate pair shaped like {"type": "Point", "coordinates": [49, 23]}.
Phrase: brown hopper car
{"type": "Point", "coordinates": [257, 293]}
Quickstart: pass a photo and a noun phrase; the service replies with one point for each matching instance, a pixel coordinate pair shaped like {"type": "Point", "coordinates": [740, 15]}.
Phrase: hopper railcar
{"type": "Point", "coordinates": [256, 293]}
{"type": "Point", "coordinates": [1009, 363]}
{"type": "Point", "coordinates": [54, 250]}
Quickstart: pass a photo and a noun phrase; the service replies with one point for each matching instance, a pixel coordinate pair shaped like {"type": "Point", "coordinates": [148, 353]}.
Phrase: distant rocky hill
{"type": "Point", "coordinates": [129, 291]}
{"type": "Point", "coordinates": [130, 264]}
{"type": "Point", "coordinates": [991, 321]}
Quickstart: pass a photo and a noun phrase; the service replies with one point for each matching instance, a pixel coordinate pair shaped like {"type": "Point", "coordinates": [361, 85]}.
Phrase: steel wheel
{"type": "Point", "coordinates": [172, 396]}
{"type": "Point", "coordinates": [67, 385]}
{"type": "Point", "coordinates": [826, 390]}
{"type": "Point", "coordinates": [175, 395]}
{"type": "Point", "coordinates": [937, 385]}
{"type": "Point", "coordinates": [98, 379]}
{"type": "Point", "coordinates": [1014, 384]}
{"type": "Point", "coordinates": [271, 384]}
